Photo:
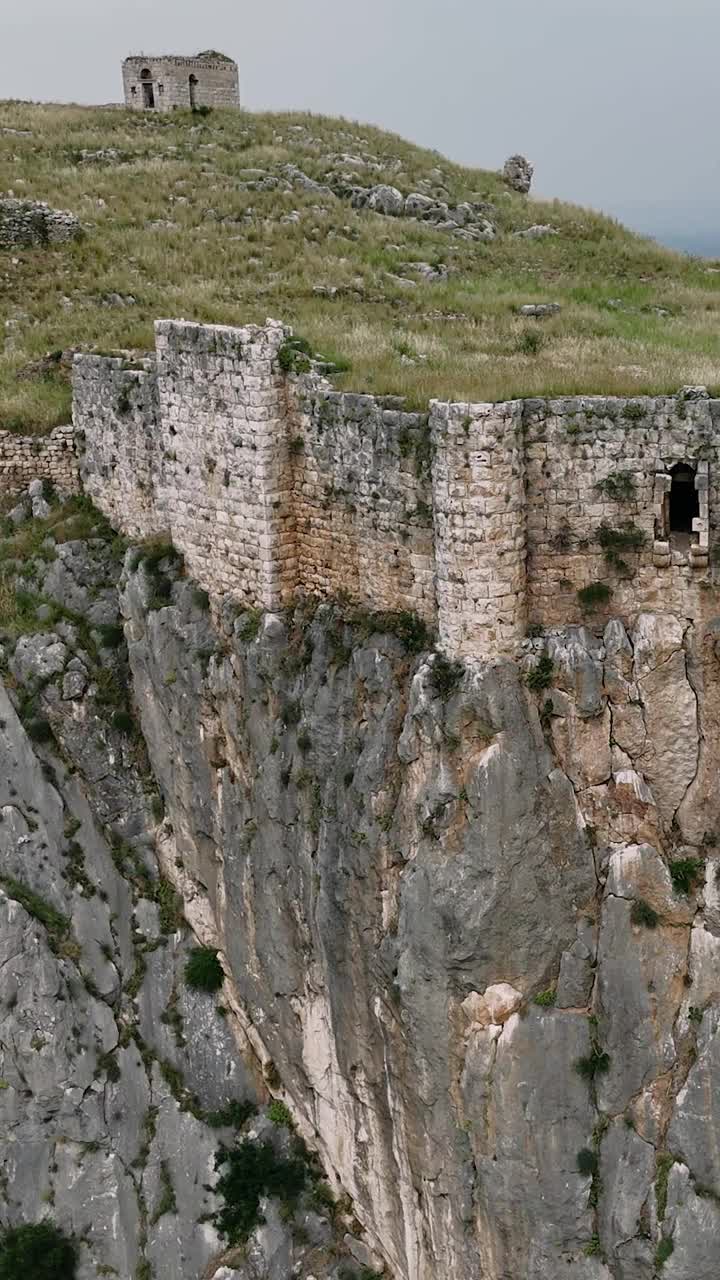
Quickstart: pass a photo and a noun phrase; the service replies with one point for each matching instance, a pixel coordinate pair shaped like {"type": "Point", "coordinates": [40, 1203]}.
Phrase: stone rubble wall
{"type": "Point", "coordinates": [51, 457]}
{"type": "Point", "coordinates": [363, 501]}
{"type": "Point", "coordinates": [28, 224]}
{"type": "Point", "coordinates": [116, 413]}
{"type": "Point", "coordinates": [217, 82]}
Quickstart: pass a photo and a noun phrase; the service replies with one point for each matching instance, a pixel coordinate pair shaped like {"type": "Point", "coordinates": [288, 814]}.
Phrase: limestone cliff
{"type": "Point", "coordinates": [468, 915]}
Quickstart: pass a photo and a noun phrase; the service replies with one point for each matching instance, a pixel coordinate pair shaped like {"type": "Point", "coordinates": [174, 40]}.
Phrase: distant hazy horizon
{"type": "Point", "coordinates": [610, 99]}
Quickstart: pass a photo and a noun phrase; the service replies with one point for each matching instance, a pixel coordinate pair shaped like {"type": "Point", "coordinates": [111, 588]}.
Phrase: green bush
{"type": "Point", "coordinates": [37, 1251]}
{"type": "Point", "coordinates": [39, 729]}
{"type": "Point", "coordinates": [594, 595]}
{"type": "Point", "coordinates": [596, 1063]}
{"type": "Point", "coordinates": [294, 356]}
{"type": "Point", "coordinates": [546, 999]}
{"type": "Point", "coordinates": [445, 676]}
{"type": "Point", "coordinates": [643, 914]}
{"type": "Point", "coordinates": [684, 872]}
{"type": "Point", "coordinates": [664, 1250]}
{"type": "Point", "coordinates": [123, 721]}
{"type": "Point", "coordinates": [232, 1116]}
{"type": "Point", "coordinates": [203, 971]}
{"type": "Point", "coordinates": [280, 1115]}
{"type": "Point", "coordinates": [587, 1162]}
{"type": "Point", "coordinates": [248, 1172]}
{"type": "Point", "coordinates": [541, 676]}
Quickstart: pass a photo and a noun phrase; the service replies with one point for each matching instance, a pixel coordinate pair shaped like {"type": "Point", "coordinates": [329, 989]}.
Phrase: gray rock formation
{"type": "Point", "coordinates": [470, 935]}
{"type": "Point", "coordinates": [518, 174]}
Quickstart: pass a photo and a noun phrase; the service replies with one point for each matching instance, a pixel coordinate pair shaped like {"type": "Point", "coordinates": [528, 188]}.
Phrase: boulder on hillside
{"type": "Point", "coordinates": [518, 174]}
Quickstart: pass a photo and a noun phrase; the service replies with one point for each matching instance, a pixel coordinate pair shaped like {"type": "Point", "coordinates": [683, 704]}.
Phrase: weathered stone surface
{"type": "Point", "coordinates": [31, 223]}
{"type": "Point", "coordinates": [518, 174]}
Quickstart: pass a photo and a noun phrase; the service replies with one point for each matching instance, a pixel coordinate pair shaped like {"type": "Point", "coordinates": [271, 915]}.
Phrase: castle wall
{"type": "Point", "coordinates": [480, 540]}
{"type": "Point", "coordinates": [116, 413]}
{"type": "Point", "coordinates": [216, 83]}
{"type": "Point", "coordinates": [51, 457]}
{"type": "Point", "coordinates": [481, 518]}
{"type": "Point", "coordinates": [363, 501]}
{"type": "Point", "coordinates": [578, 449]}
{"type": "Point", "coordinates": [226, 489]}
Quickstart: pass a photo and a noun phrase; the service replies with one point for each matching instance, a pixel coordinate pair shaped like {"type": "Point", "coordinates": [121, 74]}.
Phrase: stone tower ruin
{"type": "Point", "coordinates": [166, 83]}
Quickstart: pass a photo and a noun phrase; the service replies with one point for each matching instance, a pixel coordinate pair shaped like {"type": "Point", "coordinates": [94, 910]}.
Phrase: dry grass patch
{"type": "Point", "coordinates": [229, 257]}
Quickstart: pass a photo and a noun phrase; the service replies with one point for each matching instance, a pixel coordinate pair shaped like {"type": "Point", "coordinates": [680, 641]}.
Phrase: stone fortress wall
{"type": "Point", "coordinates": [167, 82]}
{"type": "Point", "coordinates": [481, 518]}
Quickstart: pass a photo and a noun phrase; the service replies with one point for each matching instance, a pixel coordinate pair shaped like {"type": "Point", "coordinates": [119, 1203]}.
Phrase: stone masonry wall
{"type": "Point", "coordinates": [595, 461]}
{"type": "Point", "coordinates": [363, 501]}
{"type": "Point", "coordinates": [116, 409]}
{"type": "Point", "coordinates": [481, 518]}
{"type": "Point", "coordinates": [479, 500]}
{"type": "Point", "coordinates": [225, 490]}
{"type": "Point", "coordinates": [216, 82]}
{"type": "Point", "coordinates": [51, 457]}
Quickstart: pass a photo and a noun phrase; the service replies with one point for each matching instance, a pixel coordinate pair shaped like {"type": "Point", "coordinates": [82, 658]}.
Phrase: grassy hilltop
{"type": "Point", "coordinates": [168, 225]}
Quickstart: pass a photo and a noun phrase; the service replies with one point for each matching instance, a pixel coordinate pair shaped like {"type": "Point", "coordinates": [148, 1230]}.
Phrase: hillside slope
{"type": "Point", "coordinates": [212, 218]}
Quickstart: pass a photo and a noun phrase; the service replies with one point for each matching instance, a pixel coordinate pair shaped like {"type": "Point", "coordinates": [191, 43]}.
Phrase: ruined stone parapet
{"type": "Point", "coordinates": [28, 223]}
{"type": "Point", "coordinates": [51, 457]}
{"type": "Point", "coordinates": [116, 413]}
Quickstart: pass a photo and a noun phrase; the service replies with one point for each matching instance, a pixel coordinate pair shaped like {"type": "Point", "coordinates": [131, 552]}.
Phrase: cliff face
{"type": "Point", "coordinates": [470, 924]}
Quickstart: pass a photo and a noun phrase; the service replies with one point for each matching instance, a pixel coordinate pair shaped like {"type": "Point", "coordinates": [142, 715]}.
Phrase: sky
{"type": "Point", "coordinates": [612, 100]}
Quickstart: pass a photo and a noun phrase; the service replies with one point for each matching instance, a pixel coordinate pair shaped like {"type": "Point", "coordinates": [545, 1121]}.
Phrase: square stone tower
{"type": "Point", "coordinates": [165, 83]}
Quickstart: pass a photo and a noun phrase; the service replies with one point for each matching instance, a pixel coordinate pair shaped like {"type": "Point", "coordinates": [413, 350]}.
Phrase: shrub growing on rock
{"type": "Point", "coordinates": [37, 1251]}
{"type": "Point", "coordinates": [642, 913]}
{"type": "Point", "coordinates": [248, 1172]}
{"type": "Point", "coordinates": [684, 872]}
{"type": "Point", "coordinates": [203, 971]}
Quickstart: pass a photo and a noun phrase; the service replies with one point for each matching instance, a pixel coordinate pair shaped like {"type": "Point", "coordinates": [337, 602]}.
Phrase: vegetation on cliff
{"type": "Point", "coordinates": [202, 218]}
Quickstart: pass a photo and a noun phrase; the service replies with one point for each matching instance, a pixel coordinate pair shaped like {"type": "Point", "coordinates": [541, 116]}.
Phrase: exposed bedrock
{"type": "Point", "coordinates": [469, 919]}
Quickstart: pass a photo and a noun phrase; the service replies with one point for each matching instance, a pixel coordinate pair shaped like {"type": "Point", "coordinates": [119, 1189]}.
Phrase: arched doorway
{"type": "Point", "coordinates": [683, 506]}
{"type": "Point", "coordinates": [193, 92]}
{"type": "Point", "coordinates": [147, 88]}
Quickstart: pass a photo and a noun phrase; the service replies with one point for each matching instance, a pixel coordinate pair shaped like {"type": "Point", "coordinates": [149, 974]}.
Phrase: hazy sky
{"type": "Point", "coordinates": [613, 100]}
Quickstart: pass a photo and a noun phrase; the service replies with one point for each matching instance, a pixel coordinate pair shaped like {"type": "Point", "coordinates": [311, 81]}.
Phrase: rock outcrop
{"type": "Point", "coordinates": [518, 174]}
{"type": "Point", "coordinates": [468, 921]}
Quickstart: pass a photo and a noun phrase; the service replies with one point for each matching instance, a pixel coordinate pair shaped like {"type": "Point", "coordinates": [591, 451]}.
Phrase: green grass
{"type": "Point", "coordinates": [607, 339]}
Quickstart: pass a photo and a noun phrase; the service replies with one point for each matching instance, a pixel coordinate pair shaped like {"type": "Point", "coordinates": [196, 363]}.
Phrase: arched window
{"type": "Point", "coordinates": [192, 82]}
{"type": "Point", "coordinates": [684, 504]}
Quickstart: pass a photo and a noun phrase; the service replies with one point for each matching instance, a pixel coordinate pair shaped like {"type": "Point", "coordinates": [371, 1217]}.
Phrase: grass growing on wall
{"type": "Point", "coordinates": [458, 337]}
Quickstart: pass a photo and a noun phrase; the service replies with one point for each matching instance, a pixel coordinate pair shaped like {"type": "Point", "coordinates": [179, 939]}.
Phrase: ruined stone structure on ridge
{"type": "Point", "coordinates": [481, 518]}
{"type": "Point", "coordinates": [168, 82]}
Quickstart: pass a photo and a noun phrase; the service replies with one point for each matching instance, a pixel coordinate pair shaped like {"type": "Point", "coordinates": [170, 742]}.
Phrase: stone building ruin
{"type": "Point", "coordinates": [167, 83]}
{"type": "Point", "coordinates": [483, 519]}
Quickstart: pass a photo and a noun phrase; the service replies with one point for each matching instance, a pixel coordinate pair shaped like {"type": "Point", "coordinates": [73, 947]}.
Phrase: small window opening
{"type": "Point", "coordinates": [684, 503]}
{"type": "Point", "coordinates": [193, 92]}
{"type": "Point", "coordinates": [133, 90]}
